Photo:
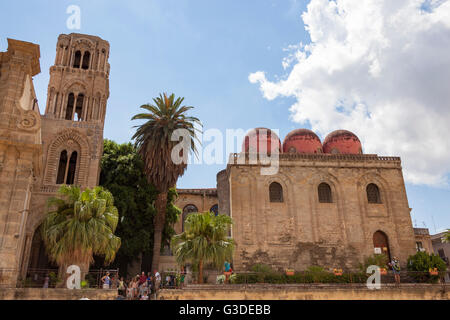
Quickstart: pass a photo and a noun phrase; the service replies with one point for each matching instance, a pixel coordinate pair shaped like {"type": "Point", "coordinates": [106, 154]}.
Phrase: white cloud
{"type": "Point", "coordinates": [381, 69]}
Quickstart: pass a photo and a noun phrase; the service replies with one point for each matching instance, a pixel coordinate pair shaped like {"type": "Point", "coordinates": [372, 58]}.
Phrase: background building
{"type": "Point", "coordinates": [423, 240]}
{"type": "Point", "coordinates": [441, 247]}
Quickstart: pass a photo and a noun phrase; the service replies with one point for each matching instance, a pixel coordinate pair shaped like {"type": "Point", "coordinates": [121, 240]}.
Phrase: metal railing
{"type": "Point", "coordinates": [170, 280]}
{"type": "Point", "coordinates": [50, 278]}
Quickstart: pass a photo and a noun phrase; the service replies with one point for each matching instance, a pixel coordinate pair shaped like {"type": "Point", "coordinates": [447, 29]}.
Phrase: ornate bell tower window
{"type": "Point", "coordinates": [62, 167]}
{"type": "Point", "coordinates": [77, 61]}
{"type": "Point", "coordinates": [69, 109]}
{"type": "Point", "coordinates": [86, 58]}
{"type": "Point", "coordinates": [79, 107]}
{"type": "Point", "coordinates": [67, 169]}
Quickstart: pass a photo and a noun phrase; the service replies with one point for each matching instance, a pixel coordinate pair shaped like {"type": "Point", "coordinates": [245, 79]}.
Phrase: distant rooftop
{"type": "Point", "coordinates": [206, 191]}
{"type": "Point", "coordinates": [421, 231]}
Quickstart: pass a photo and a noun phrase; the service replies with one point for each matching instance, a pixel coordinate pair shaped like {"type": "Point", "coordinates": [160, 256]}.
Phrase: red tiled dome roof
{"type": "Point", "coordinates": [342, 141]}
{"type": "Point", "coordinates": [302, 141]}
{"type": "Point", "coordinates": [255, 140]}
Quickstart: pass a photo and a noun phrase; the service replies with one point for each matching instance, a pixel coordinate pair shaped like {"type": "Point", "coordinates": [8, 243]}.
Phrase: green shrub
{"type": "Point", "coordinates": [420, 264]}
{"type": "Point", "coordinates": [380, 260]}
{"type": "Point", "coordinates": [312, 275]}
{"type": "Point", "coordinates": [261, 268]}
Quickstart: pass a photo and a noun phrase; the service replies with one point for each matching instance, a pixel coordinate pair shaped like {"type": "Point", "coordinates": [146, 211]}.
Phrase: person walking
{"type": "Point", "coordinates": [106, 280]}
{"type": "Point", "coordinates": [395, 265]}
{"type": "Point", "coordinates": [142, 278]}
{"type": "Point", "coordinates": [227, 272]}
{"type": "Point", "coordinates": [182, 276]}
{"type": "Point", "coordinates": [157, 280]}
{"type": "Point", "coordinates": [135, 287]}
{"type": "Point", "coordinates": [121, 287]}
{"type": "Point", "coordinates": [149, 282]}
{"type": "Point", "coordinates": [130, 290]}
{"type": "Point", "coordinates": [46, 281]}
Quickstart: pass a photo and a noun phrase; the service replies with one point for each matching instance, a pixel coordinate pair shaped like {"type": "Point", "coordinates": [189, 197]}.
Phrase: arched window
{"type": "Point", "coordinates": [69, 109]}
{"type": "Point", "coordinates": [214, 209]}
{"type": "Point", "coordinates": [373, 193]}
{"type": "Point", "coordinates": [276, 192]}
{"type": "Point", "coordinates": [79, 107]}
{"type": "Point", "coordinates": [67, 168]}
{"type": "Point", "coordinates": [324, 193]}
{"type": "Point", "coordinates": [381, 244]}
{"type": "Point", "coordinates": [86, 57]}
{"type": "Point", "coordinates": [72, 168]}
{"type": "Point", "coordinates": [190, 208]}
{"type": "Point", "coordinates": [62, 167]}
{"type": "Point", "coordinates": [77, 61]}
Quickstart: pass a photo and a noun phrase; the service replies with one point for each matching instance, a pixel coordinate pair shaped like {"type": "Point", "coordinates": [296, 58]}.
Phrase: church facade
{"type": "Point", "coordinates": [38, 153]}
{"type": "Point", "coordinates": [328, 205]}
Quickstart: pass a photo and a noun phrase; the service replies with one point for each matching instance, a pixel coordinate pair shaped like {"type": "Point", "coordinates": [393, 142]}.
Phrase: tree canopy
{"type": "Point", "coordinates": [80, 225]}
{"type": "Point", "coordinates": [205, 240]}
{"type": "Point", "coordinates": [123, 174]}
{"type": "Point", "coordinates": [158, 142]}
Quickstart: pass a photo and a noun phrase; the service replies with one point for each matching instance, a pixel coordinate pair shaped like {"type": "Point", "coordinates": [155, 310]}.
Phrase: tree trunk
{"type": "Point", "coordinates": [62, 275]}
{"type": "Point", "coordinates": [84, 269]}
{"type": "Point", "coordinates": [159, 222]}
{"type": "Point", "coordinates": [200, 272]}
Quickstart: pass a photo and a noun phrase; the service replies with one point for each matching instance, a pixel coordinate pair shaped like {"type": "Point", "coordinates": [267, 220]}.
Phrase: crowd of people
{"type": "Point", "coordinates": [140, 287]}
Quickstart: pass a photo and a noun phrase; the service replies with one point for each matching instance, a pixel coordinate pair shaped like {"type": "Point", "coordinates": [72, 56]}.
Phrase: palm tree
{"type": "Point", "coordinates": [81, 225]}
{"type": "Point", "coordinates": [205, 240]}
{"type": "Point", "coordinates": [153, 140]}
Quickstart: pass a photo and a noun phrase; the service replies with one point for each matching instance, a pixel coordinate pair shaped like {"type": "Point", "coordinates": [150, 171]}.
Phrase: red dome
{"type": "Point", "coordinates": [256, 139]}
{"type": "Point", "coordinates": [342, 141]}
{"type": "Point", "coordinates": [302, 141]}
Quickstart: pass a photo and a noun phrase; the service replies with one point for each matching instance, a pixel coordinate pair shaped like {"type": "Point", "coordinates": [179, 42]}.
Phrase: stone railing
{"type": "Point", "coordinates": [212, 191]}
{"type": "Point", "coordinates": [48, 188]}
{"type": "Point", "coordinates": [247, 158]}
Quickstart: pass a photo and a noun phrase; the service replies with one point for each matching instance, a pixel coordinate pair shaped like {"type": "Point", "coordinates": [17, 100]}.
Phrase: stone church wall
{"type": "Point", "coordinates": [300, 231]}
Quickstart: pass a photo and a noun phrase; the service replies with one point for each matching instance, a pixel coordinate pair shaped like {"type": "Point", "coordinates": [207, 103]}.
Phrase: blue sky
{"type": "Point", "coordinates": [201, 50]}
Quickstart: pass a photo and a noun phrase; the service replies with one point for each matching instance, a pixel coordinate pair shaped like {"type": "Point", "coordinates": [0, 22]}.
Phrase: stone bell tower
{"type": "Point", "coordinates": [72, 129]}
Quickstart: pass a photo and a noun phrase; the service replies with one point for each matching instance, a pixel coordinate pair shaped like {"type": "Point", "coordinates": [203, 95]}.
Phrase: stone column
{"type": "Point", "coordinates": [85, 107]}
{"type": "Point", "coordinates": [15, 202]}
{"type": "Point", "coordinates": [71, 57]}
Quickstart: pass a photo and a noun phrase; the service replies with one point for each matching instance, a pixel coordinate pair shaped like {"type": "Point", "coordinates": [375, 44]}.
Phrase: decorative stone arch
{"type": "Point", "coordinates": [331, 180]}
{"type": "Point", "coordinates": [75, 87]}
{"type": "Point", "coordinates": [280, 178]}
{"type": "Point", "coordinates": [83, 45]}
{"type": "Point", "coordinates": [187, 210]}
{"type": "Point", "coordinates": [382, 184]}
{"type": "Point", "coordinates": [84, 41]}
{"type": "Point", "coordinates": [36, 217]}
{"type": "Point", "coordinates": [34, 220]}
{"type": "Point", "coordinates": [65, 140]}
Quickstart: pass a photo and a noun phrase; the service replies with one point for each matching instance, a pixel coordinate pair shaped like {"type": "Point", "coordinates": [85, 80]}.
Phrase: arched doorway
{"type": "Point", "coordinates": [39, 265]}
{"type": "Point", "coordinates": [381, 243]}
{"type": "Point", "coordinates": [190, 208]}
